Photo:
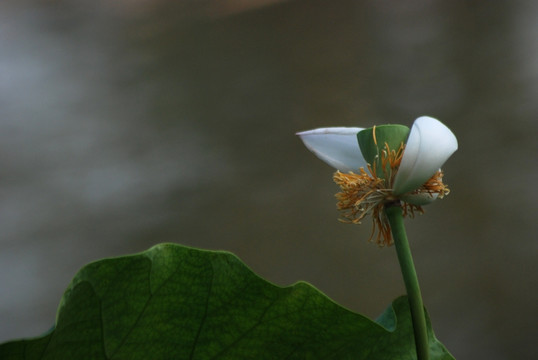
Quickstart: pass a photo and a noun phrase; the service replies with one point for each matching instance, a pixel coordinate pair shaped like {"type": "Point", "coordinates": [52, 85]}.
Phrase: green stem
{"type": "Point", "coordinates": [395, 216]}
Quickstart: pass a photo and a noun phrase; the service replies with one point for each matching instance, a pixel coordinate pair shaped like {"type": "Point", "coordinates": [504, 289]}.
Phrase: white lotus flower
{"type": "Point", "coordinates": [410, 174]}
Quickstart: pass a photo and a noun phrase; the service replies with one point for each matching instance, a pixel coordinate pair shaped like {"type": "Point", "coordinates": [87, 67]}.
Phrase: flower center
{"type": "Point", "coordinates": [366, 193]}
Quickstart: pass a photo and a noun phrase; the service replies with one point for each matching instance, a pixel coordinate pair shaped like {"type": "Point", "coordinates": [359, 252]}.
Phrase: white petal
{"type": "Point", "coordinates": [429, 145]}
{"type": "Point", "coordinates": [337, 146]}
{"type": "Point", "coordinates": [419, 199]}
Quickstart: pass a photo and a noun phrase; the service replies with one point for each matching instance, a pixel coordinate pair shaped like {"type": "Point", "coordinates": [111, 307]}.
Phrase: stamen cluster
{"type": "Point", "coordinates": [366, 193]}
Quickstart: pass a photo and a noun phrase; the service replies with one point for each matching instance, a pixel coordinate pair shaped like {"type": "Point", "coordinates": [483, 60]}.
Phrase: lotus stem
{"type": "Point", "coordinates": [395, 216]}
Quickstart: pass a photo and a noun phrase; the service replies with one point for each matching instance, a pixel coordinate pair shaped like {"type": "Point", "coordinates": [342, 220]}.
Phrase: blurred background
{"type": "Point", "coordinates": [128, 123]}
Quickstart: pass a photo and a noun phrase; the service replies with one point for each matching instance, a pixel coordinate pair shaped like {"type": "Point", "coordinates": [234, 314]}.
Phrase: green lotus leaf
{"type": "Point", "coordinates": [175, 302]}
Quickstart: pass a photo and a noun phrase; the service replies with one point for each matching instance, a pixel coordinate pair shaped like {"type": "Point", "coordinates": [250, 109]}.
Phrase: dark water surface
{"type": "Point", "coordinates": [126, 125]}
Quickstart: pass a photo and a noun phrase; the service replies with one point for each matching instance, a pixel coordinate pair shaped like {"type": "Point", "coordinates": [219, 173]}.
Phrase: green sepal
{"type": "Point", "coordinates": [371, 146]}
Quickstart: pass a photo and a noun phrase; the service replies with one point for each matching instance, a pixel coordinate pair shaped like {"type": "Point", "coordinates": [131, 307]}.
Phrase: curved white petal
{"type": "Point", "coordinates": [429, 145]}
{"type": "Point", "coordinates": [337, 146]}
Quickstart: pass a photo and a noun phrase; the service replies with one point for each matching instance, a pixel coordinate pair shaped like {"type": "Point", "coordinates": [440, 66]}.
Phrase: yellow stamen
{"type": "Point", "coordinates": [435, 185]}
{"type": "Point", "coordinates": [366, 193]}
